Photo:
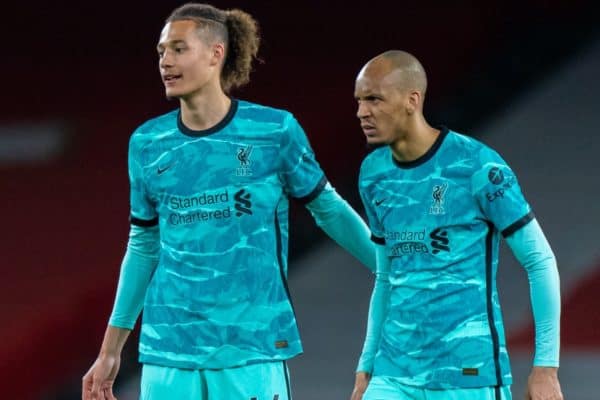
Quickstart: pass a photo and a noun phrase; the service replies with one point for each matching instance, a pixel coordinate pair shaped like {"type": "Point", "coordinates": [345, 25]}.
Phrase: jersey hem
{"type": "Point", "coordinates": [148, 359]}
{"type": "Point", "coordinates": [428, 385]}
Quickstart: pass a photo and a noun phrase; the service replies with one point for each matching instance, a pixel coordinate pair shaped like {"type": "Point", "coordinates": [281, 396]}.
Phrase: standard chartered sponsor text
{"type": "Point", "coordinates": [206, 198]}
{"type": "Point", "coordinates": [407, 235]}
{"type": "Point", "coordinates": [188, 212]}
{"type": "Point", "coordinates": [407, 241]}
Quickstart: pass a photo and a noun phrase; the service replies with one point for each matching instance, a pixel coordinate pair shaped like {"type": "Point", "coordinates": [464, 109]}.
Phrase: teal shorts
{"type": "Point", "coordinates": [385, 388]}
{"type": "Point", "coordinates": [264, 381]}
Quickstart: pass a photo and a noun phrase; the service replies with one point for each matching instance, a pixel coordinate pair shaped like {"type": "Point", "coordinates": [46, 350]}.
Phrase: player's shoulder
{"type": "Point", "coordinates": [485, 162]}
{"type": "Point", "coordinates": [463, 141]}
{"type": "Point", "coordinates": [262, 114]}
{"type": "Point", "coordinates": [376, 161]}
{"type": "Point", "coordinates": [472, 149]}
{"type": "Point", "coordinates": [155, 126]}
{"type": "Point", "coordinates": [267, 123]}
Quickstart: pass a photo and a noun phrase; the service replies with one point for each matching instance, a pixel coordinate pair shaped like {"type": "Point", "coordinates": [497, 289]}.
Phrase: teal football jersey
{"type": "Point", "coordinates": [441, 218]}
{"type": "Point", "coordinates": [219, 295]}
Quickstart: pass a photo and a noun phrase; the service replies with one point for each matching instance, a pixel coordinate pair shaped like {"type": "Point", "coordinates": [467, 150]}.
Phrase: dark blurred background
{"type": "Point", "coordinates": [80, 76]}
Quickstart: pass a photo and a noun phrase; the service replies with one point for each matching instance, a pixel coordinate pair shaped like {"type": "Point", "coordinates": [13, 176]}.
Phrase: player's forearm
{"type": "Point", "coordinates": [137, 268]}
{"type": "Point", "coordinates": [378, 309]}
{"type": "Point", "coordinates": [341, 223]}
{"type": "Point", "coordinates": [113, 342]}
{"type": "Point", "coordinates": [377, 312]}
{"type": "Point", "coordinates": [535, 255]}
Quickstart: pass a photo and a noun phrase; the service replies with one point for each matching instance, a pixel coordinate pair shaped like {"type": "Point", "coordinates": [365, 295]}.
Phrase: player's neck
{"type": "Point", "coordinates": [204, 110]}
{"type": "Point", "coordinates": [415, 142]}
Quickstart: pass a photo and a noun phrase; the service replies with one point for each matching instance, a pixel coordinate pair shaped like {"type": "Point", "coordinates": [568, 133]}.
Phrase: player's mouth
{"type": "Point", "coordinates": [368, 129]}
{"type": "Point", "coordinates": [171, 79]}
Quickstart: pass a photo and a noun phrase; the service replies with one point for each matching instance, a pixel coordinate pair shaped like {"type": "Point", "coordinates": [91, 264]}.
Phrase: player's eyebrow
{"type": "Point", "coordinates": [173, 42]}
{"type": "Point", "coordinates": [368, 96]}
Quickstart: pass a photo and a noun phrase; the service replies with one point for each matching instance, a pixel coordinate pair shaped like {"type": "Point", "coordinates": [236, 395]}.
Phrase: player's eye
{"type": "Point", "coordinates": [179, 50]}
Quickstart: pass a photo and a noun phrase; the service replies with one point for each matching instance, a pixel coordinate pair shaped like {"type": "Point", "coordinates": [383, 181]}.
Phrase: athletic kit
{"type": "Point", "coordinates": [437, 324]}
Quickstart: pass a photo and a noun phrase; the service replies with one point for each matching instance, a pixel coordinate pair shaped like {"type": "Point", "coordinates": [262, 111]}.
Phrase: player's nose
{"type": "Point", "coordinates": [362, 110]}
{"type": "Point", "coordinates": [166, 60]}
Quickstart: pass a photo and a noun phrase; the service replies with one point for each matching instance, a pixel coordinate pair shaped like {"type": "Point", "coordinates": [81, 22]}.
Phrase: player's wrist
{"type": "Point", "coordinates": [109, 354]}
{"type": "Point", "coordinates": [361, 381]}
{"type": "Point", "coordinates": [113, 343]}
{"type": "Point", "coordinates": [537, 369]}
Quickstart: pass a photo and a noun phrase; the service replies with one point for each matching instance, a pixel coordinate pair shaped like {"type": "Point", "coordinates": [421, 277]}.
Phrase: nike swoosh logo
{"type": "Point", "coordinates": [379, 202]}
{"type": "Point", "coordinates": [161, 170]}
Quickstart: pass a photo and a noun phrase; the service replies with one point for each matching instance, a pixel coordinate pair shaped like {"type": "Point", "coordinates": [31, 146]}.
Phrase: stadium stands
{"type": "Point", "coordinates": [92, 68]}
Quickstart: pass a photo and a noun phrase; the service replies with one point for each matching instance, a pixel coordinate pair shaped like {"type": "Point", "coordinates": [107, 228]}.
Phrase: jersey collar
{"type": "Point", "coordinates": [427, 156]}
{"type": "Point", "coordinates": [205, 132]}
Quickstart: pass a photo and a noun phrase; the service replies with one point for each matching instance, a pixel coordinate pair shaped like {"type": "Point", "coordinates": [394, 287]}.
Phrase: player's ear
{"type": "Point", "coordinates": [413, 102]}
{"type": "Point", "coordinates": [218, 53]}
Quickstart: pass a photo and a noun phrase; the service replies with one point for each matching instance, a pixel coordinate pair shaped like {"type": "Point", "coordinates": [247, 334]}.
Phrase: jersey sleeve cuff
{"type": "Point", "coordinates": [377, 239]}
{"type": "Point", "coordinates": [120, 323]}
{"type": "Point", "coordinates": [518, 224]}
{"type": "Point", "coordinates": [547, 363]}
{"type": "Point", "coordinates": [144, 223]}
{"type": "Point", "coordinates": [315, 192]}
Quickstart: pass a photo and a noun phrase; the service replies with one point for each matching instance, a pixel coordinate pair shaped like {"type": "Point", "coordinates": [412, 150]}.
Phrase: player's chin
{"type": "Point", "coordinates": [374, 142]}
{"type": "Point", "coordinates": [174, 92]}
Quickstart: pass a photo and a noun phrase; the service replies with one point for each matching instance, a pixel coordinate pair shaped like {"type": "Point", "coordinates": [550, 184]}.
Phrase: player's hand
{"type": "Point", "coordinates": [361, 381]}
{"type": "Point", "coordinates": [543, 384]}
{"type": "Point", "coordinates": [98, 381]}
